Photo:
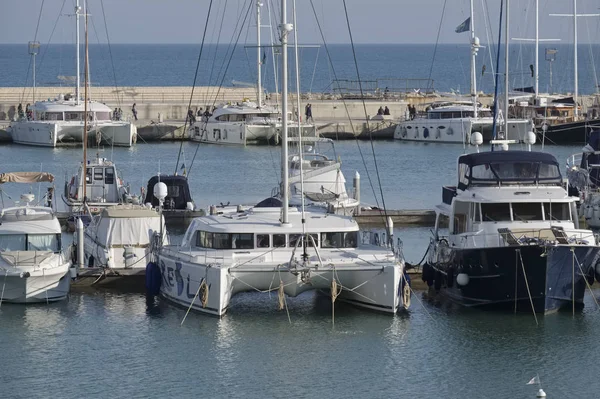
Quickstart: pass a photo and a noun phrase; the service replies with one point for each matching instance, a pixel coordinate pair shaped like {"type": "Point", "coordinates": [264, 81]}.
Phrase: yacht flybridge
{"type": "Point", "coordinates": [514, 240]}
{"type": "Point", "coordinates": [278, 248]}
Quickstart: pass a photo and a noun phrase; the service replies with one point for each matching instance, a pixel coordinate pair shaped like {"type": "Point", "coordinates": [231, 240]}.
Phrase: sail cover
{"type": "Point", "coordinates": [26, 177]}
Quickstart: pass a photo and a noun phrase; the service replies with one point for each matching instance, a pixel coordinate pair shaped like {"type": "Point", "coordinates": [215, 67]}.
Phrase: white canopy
{"type": "Point", "coordinates": [26, 177]}
{"type": "Point", "coordinates": [125, 225]}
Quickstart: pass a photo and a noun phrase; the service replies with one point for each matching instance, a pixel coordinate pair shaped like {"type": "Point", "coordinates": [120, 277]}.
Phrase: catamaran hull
{"type": "Point", "coordinates": [527, 277]}
{"type": "Point", "coordinates": [456, 130]}
{"type": "Point", "coordinates": [232, 134]}
{"type": "Point", "coordinates": [44, 134]}
{"type": "Point", "coordinates": [209, 289]}
{"type": "Point", "coordinates": [24, 285]}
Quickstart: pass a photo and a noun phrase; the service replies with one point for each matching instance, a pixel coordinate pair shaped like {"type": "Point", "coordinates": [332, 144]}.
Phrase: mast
{"type": "Point", "coordinates": [474, 49]}
{"type": "Point", "coordinates": [537, 47]}
{"type": "Point", "coordinates": [85, 109]}
{"type": "Point", "coordinates": [300, 146]}
{"type": "Point", "coordinates": [575, 57]}
{"type": "Point", "coordinates": [77, 10]}
{"type": "Point", "coordinates": [258, 58]}
{"type": "Point", "coordinates": [506, 90]}
{"type": "Point", "coordinates": [285, 29]}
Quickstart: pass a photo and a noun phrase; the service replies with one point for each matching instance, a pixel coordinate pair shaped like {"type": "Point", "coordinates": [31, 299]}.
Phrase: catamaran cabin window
{"type": "Point", "coordinates": [205, 239]}
{"type": "Point", "coordinates": [526, 211]}
{"type": "Point", "coordinates": [98, 173]}
{"type": "Point", "coordinates": [495, 212]}
{"type": "Point", "coordinates": [557, 211]}
{"type": "Point", "coordinates": [278, 240]}
{"type": "Point", "coordinates": [262, 241]}
{"type": "Point", "coordinates": [312, 240]}
{"type": "Point", "coordinates": [88, 175]}
{"type": "Point", "coordinates": [103, 116]}
{"type": "Point", "coordinates": [339, 240]}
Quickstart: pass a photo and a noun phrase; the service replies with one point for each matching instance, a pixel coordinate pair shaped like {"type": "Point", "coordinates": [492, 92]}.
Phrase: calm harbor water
{"type": "Point", "coordinates": [108, 344]}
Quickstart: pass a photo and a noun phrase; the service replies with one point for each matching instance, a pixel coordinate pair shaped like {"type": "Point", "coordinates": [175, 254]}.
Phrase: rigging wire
{"type": "Point", "coordinates": [366, 116]}
{"type": "Point", "coordinates": [436, 44]}
{"type": "Point", "coordinates": [224, 72]}
{"type": "Point", "coordinates": [214, 58]}
{"type": "Point", "coordinates": [34, 39]}
{"type": "Point", "coordinates": [194, 84]}
{"type": "Point", "coordinates": [112, 62]}
{"type": "Point", "coordinates": [343, 100]}
{"type": "Point", "coordinates": [235, 29]}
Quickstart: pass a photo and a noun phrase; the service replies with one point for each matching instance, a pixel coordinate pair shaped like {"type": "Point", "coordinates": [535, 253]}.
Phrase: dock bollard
{"type": "Point", "coordinates": [80, 237]}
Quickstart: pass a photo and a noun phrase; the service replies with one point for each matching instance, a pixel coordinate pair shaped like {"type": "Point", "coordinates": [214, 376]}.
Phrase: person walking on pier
{"type": "Point", "coordinates": [20, 111]}
{"type": "Point", "coordinates": [308, 113]}
{"type": "Point", "coordinates": [134, 111]}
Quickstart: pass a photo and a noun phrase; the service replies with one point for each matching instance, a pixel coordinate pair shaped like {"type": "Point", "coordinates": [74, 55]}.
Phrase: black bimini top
{"type": "Point", "coordinates": [178, 192]}
{"type": "Point", "coordinates": [508, 167]}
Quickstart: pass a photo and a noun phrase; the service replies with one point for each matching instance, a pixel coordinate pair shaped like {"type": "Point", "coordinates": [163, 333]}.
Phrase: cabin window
{"type": "Point", "coordinates": [109, 176]}
{"type": "Point", "coordinates": [339, 240]}
{"type": "Point", "coordinates": [495, 212]}
{"type": "Point", "coordinates": [205, 239]}
{"type": "Point", "coordinates": [242, 241]}
{"type": "Point", "coordinates": [173, 191]}
{"type": "Point", "coordinates": [262, 241]}
{"type": "Point", "coordinates": [103, 116]}
{"type": "Point", "coordinates": [526, 211]}
{"type": "Point", "coordinates": [476, 212]}
{"type": "Point", "coordinates": [278, 240]}
{"type": "Point", "coordinates": [98, 173]}
{"type": "Point", "coordinates": [557, 211]}
{"type": "Point", "coordinates": [43, 242]}
{"type": "Point", "coordinates": [30, 242]}
{"type": "Point", "coordinates": [294, 239]}
{"type": "Point", "coordinates": [88, 175]}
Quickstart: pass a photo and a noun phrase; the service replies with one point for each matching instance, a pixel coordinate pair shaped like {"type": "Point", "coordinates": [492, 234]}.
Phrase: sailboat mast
{"type": "Point", "coordinates": [506, 90]}
{"type": "Point", "coordinates": [258, 58]}
{"type": "Point", "coordinates": [77, 9]}
{"type": "Point", "coordinates": [537, 47]}
{"type": "Point", "coordinates": [85, 110]}
{"type": "Point", "coordinates": [474, 49]}
{"type": "Point", "coordinates": [285, 29]}
{"type": "Point", "coordinates": [575, 57]}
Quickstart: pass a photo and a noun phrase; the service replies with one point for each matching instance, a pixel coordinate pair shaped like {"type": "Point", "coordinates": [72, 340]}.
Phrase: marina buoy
{"type": "Point", "coordinates": [540, 393]}
{"type": "Point", "coordinates": [462, 279]}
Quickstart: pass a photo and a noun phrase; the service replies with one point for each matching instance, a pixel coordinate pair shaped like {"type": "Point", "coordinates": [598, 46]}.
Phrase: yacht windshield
{"type": "Point", "coordinates": [515, 172]}
{"type": "Point", "coordinates": [30, 242]}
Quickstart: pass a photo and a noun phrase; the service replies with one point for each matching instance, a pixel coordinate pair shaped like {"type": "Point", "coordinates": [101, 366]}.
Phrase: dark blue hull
{"type": "Point", "coordinates": [519, 277]}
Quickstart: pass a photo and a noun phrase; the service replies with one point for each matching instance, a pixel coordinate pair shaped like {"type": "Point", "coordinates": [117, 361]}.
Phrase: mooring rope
{"type": "Point", "coordinates": [527, 285]}
{"type": "Point", "coordinates": [203, 300]}
{"type": "Point", "coordinates": [3, 286]}
{"type": "Point", "coordinates": [585, 279]}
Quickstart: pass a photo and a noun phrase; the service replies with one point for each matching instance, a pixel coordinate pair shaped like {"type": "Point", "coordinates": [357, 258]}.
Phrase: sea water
{"type": "Point", "coordinates": [102, 344]}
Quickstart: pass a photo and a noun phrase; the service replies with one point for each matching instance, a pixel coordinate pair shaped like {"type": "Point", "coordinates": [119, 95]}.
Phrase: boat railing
{"type": "Point", "coordinates": [505, 237]}
{"type": "Point", "coordinates": [16, 259]}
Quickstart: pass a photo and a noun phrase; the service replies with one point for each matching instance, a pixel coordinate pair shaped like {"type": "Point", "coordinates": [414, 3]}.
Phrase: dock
{"type": "Point", "coordinates": [407, 217]}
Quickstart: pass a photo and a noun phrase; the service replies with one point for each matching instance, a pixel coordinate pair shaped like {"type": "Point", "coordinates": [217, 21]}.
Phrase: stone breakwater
{"type": "Point", "coordinates": [162, 110]}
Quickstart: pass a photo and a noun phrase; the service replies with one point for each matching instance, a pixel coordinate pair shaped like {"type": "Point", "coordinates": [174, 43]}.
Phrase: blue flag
{"type": "Point", "coordinates": [464, 27]}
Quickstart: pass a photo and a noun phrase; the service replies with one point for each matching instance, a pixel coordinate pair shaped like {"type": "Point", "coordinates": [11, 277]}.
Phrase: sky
{"type": "Point", "coordinates": [371, 21]}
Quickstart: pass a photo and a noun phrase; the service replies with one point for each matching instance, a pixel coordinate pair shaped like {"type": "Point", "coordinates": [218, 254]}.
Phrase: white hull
{"type": "Point", "coordinates": [53, 133]}
{"type": "Point", "coordinates": [232, 133]}
{"type": "Point", "coordinates": [369, 286]}
{"type": "Point", "coordinates": [456, 130]}
{"type": "Point", "coordinates": [47, 284]}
